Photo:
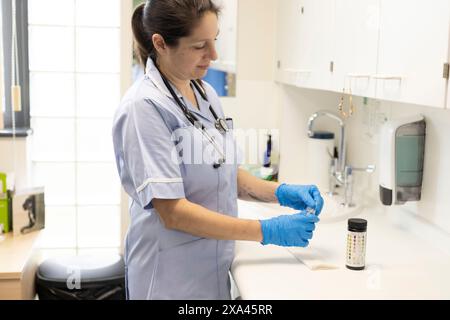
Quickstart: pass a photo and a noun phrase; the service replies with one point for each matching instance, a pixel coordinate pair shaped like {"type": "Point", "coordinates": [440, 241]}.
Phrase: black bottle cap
{"type": "Point", "coordinates": [356, 224]}
{"type": "Point", "coordinates": [323, 135]}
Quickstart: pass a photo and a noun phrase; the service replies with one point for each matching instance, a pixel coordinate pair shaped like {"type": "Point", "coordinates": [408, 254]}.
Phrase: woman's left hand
{"type": "Point", "coordinates": [300, 197]}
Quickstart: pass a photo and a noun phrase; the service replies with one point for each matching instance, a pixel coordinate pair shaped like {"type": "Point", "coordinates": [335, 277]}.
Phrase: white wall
{"type": "Point", "coordinates": [255, 104]}
{"type": "Point", "coordinates": [298, 104]}
{"type": "Point", "coordinates": [435, 203]}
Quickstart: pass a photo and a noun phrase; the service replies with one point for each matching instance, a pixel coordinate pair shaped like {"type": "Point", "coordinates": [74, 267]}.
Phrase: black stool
{"type": "Point", "coordinates": [81, 278]}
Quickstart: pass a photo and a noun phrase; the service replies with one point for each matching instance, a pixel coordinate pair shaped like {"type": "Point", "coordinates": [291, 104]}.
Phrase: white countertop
{"type": "Point", "coordinates": [399, 264]}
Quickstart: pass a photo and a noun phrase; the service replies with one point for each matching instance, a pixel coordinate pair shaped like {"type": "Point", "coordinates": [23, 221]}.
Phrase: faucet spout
{"type": "Point", "coordinates": [341, 174]}
{"type": "Point", "coordinates": [342, 143]}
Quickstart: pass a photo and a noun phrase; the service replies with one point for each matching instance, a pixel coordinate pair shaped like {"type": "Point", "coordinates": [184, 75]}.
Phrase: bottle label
{"type": "Point", "coordinates": [356, 249]}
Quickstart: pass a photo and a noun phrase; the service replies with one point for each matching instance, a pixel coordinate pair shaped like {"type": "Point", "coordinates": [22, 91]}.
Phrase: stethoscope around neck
{"type": "Point", "coordinates": [219, 123]}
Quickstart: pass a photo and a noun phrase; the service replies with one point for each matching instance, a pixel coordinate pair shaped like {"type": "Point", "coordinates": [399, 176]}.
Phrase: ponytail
{"type": "Point", "coordinates": [143, 46]}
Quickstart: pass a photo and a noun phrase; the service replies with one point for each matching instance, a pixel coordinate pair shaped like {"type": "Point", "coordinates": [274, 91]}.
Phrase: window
{"type": "Point", "coordinates": [22, 118]}
{"type": "Point", "coordinates": [74, 62]}
{"type": "Point", "coordinates": [2, 90]}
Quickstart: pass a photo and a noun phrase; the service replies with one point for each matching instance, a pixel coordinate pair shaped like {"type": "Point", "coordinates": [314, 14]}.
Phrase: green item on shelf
{"type": "Point", "coordinates": [5, 214]}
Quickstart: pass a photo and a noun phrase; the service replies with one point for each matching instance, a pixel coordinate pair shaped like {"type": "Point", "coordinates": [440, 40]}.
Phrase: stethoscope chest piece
{"type": "Point", "coordinates": [219, 163]}
{"type": "Point", "coordinates": [222, 126]}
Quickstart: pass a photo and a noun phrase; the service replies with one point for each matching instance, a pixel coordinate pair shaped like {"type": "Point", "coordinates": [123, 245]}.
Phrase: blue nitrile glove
{"type": "Point", "coordinates": [300, 197]}
{"type": "Point", "coordinates": [293, 230]}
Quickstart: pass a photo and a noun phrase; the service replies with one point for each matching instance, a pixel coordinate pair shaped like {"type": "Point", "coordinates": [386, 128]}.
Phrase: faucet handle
{"type": "Point", "coordinates": [369, 169]}
{"type": "Point", "coordinates": [348, 176]}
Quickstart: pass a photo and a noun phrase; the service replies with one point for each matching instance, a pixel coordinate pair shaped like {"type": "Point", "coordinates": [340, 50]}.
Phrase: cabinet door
{"type": "Point", "coordinates": [315, 44]}
{"type": "Point", "coordinates": [414, 41]}
{"type": "Point", "coordinates": [448, 82]}
{"type": "Point", "coordinates": [448, 89]}
{"type": "Point", "coordinates": [356, 43]}
{"type": "Point", "coordinates": [287, 19]}
{"type": "Point", "coordinates": [305, 42]}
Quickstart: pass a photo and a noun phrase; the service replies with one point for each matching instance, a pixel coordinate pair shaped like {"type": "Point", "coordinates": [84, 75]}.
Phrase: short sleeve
{"type": "Point", "coordinates": [145, 153]}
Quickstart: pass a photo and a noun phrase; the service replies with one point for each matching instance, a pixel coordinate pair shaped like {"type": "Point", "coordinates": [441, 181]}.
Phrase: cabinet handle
{"type": "Point", "coordinates": [386, 77]}
{"type": "Point", "coordinates": [358, 75]}
{"type": "Point", "coordinates": [297, 71]}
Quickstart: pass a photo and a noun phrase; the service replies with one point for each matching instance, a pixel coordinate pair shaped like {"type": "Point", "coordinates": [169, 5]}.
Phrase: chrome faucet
{"type": "Point", "coordinates": [342, 147]}
{"type": "Point", "coordinates": [340, 172]}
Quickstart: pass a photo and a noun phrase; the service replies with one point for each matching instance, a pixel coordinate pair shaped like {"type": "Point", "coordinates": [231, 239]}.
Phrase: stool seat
{"type": "Point", "coordinates": [81, 277]}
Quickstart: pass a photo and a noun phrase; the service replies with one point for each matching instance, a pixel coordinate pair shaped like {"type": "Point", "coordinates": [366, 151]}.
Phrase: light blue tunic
{"type": "Point", "coordinates": [163, 263]}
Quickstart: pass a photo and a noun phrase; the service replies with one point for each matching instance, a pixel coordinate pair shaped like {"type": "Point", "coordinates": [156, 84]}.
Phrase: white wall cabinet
{"type": "Point", "coordinates": [315, 27]}
{"type": "Point", "coordinates": [386, 49]}
{"type": "Point", "coordinates": [305, 42]}
{"type": "Point", "coordinates": [448, 89]}
{"type": "Point", "coordinates": [287, 33]}
{"type": "Point", "coordinates": [413, 47]}
{"type": "Point", "coordinates": [356, 44]}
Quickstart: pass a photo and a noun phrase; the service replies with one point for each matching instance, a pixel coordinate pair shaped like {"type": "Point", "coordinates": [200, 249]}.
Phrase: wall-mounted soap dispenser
{"type": "Point", "coordinates": [401, 158]}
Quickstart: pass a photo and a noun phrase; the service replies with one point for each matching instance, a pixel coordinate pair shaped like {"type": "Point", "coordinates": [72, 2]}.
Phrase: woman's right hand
{"type": "Point", "coordinates": [293, 230]}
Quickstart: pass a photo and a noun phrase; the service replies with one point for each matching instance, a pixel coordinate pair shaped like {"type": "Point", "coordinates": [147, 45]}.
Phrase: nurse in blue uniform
{"type": "Point", "coordinates": [180, 243]}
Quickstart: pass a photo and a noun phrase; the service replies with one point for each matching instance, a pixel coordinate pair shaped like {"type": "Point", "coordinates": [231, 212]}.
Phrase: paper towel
{"type": "Point", "coordinates": [311, 258]}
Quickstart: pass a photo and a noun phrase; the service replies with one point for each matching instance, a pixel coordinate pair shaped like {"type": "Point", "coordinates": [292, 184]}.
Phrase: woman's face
{"type": "Point", "coordinates": [193, 55]}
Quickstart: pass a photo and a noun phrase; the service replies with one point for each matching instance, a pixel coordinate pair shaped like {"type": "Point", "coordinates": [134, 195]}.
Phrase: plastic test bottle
{"type": "Point", "coordinates": [356, 244]}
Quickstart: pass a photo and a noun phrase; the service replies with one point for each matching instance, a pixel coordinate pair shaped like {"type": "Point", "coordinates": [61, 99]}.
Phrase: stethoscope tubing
{"type": "Point", "coordinates": [196, 122]}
